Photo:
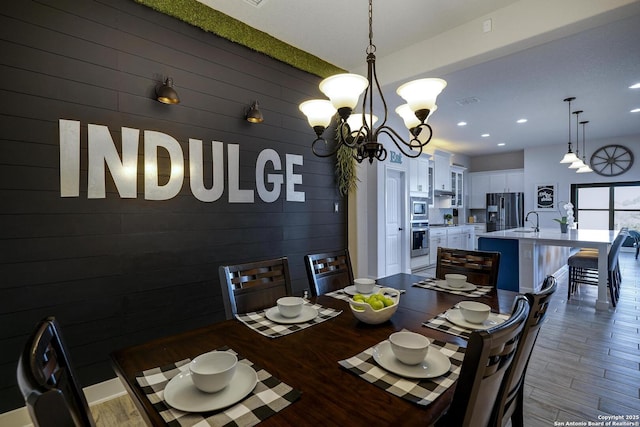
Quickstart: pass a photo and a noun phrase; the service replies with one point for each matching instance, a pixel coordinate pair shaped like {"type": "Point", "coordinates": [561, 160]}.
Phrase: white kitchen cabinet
{"type": "Point", "coordinates": [431, 184]}
{"type": "Point", "coordinates": [478, 229]}
{"type": "Point", "coordinates": [478, 188]}
{"type": "Point", "coordinates": [437, 238]}
{"type": "Point", "coordinates": [481, 183]}
{"type": "Point", "coordinates": [419, 176]}
{"type": "Point", "coordinates": [508, 181]}
{"type": "Point", "coordinates": [442, 170]}
{"type": "Point", "coordinates": [457, 179]}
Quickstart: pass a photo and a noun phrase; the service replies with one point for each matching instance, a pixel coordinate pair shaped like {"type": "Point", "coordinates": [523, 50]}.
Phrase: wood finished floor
{"type": "Point", "coordinates": [585, 363]}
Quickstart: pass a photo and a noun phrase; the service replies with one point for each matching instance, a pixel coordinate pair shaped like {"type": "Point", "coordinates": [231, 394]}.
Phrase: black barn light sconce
{"type": "Point", "coordinates": [166, 94]}
{"type": "Point", "coordinates": [254, 115]}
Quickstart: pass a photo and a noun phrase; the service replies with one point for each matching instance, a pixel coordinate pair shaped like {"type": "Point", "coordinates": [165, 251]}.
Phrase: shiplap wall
{"type": "Point", "coordinates": [122, 271]}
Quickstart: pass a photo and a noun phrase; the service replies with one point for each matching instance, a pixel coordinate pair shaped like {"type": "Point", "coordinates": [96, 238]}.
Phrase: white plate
{"type": "Point", "coordinates": [433, 365]}
{"type": "Point", "coordinates": [180, 393]}
{"type": "Point", "coordinates": [351, 290]}
{"type": "Point", "coordinates": [466, 287]}
{"type": "Point", "coordinates": [308, 313]}
{"type": "Point", "coordinates": [455, 316]}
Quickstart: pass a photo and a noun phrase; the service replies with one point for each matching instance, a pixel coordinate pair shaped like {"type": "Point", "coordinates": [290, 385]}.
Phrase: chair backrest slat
{"type": "Point", "coordinates": [254, 286]}
{"type": "Point", "coordinates": [487, 359]}
{"type": "Point", "coordinates": [328, 271]}
{"type": "Point", "coordinates": [480, 267]}
{"type": "Point", "coordinates": [48, 382]}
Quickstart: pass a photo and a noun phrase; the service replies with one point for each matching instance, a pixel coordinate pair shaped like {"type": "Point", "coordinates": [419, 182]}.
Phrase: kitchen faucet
{"type": "Point", "coordinates": [537, 227]}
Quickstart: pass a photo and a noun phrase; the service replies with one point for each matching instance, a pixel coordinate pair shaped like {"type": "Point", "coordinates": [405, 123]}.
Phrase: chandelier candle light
{"type": "Point", "coordinates": [344, 90]}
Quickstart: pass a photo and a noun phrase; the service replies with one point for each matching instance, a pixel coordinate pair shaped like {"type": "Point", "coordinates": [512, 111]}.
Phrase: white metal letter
{"type": "Point", "coordinates": [265, 156]}
{"type": "Point", "coordinates": [103, 151]}
{"type": "Point", "coordinates": [69, 158]}
{"type": "Point", "coordinates": [196, 171]}
{"type": "Point", "coordinates": [152, 190]}
{"type": "Point", "coordinates": [293, 179]}
{"type": "Point", "coordinates": [233, 165]}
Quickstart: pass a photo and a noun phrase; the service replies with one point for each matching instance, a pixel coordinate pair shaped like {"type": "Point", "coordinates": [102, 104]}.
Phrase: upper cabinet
{"type": "Point", "coordinates": [457, 179]}
{"type": "Point", "coordinates": [481, 183]}
{"type": "Point", "coordinates": [419, 176]}
{"type": "Point", "coordinates": [442, 170]}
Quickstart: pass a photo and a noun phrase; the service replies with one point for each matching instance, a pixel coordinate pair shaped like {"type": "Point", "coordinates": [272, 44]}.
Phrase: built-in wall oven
{"type": "Point", "coordinates": [419, 238]}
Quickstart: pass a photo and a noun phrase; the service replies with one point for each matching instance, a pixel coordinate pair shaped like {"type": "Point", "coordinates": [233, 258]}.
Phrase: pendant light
{"type": "Point", "coordinates": [585, 168]}
{"type": "Point", "coordinates": [577, 163]}
{"type": "Point", "coordinates": [570, 157]}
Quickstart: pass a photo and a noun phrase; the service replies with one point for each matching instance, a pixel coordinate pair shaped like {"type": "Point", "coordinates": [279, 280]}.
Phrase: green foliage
{"type": "Point", "coordinates": [346, 170]}
{"type": "Point", "coordinates": [562, 220]}
{"type": "Point", "coordinates": [213, 21]}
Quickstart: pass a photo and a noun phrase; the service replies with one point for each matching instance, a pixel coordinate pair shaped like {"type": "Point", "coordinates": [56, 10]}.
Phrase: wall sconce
{"type": "Point", "coordinates": [166, 93]}
{"type": "Point", "coordinates": [254, 115]}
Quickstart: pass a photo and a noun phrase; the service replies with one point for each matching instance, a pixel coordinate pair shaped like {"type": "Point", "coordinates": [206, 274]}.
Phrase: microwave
{"type": "Point", "coordinates": [419, 208]}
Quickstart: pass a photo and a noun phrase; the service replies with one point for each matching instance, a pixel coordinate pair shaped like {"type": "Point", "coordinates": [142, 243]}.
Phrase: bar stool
{"type": "Point", "coordinates": [583, 269]}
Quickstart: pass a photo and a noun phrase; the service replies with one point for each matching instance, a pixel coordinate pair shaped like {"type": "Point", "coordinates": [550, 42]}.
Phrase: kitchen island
{"type": "Point", "coordinates": [533, 255]}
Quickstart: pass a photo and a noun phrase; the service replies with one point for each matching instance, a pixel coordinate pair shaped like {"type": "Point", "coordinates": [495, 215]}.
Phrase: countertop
{"type": "Point", "coordinates": [554, 235]}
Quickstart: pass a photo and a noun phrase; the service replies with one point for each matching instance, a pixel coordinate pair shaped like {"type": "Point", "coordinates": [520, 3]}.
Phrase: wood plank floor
{"type": "Point", "coordinates": [585, 364]}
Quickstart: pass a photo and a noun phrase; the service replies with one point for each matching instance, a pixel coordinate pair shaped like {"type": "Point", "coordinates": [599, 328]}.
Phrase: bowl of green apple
{"type": "Point", "coordinates": [375, 308]}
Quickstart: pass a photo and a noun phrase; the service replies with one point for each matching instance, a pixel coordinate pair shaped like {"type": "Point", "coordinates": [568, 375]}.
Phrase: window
{"type": "Point", "coordinates": [607, 206]}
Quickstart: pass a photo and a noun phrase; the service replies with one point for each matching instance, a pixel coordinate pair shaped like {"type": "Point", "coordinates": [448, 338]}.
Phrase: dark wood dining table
{"type": "Point", "coordinates": [308, 359]}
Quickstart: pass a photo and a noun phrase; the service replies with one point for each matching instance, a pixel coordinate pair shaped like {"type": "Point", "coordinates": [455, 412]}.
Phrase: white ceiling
{"type": "Point", "coordinates": [538, 53]}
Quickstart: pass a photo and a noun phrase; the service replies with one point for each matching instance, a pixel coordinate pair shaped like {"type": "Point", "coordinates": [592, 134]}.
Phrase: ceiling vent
{"type": "Point", "coordinates": [256, 3]}
{"type": "Point", "coordinates": [467, 101]}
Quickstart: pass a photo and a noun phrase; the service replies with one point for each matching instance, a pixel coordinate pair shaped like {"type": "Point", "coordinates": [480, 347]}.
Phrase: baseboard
{"type": "Point", "coordinates": [95, 394]}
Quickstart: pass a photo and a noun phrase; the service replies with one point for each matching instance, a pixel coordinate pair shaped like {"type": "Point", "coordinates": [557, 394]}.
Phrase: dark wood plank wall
{"type": "Point", "coordinates": [120, 271]}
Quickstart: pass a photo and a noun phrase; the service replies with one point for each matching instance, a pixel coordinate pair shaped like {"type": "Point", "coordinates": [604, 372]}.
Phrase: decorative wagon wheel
{"type": "Point", "coordinates": [611, 160]}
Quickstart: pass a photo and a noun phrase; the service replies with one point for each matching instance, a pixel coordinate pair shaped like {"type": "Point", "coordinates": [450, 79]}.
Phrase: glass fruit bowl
{"type": "Point", "coordinates": [366, 313]}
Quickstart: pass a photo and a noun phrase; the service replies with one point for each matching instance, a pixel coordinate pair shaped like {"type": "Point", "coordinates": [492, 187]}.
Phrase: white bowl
{"type": "Point", "coordinates": [365, 313]}
{"type": "Point", "coordinates": [364, 286]}
{"type": "Point", "coordinates": [211, 372]}
{"type": "Point", "coordinates": [290, 306]}
{"type": "Point", "coordinates": [474, 312]}
{"type": "Point", "coordinates": [456, 280]}
{"type": "Point", "coordinates": [408, 347]}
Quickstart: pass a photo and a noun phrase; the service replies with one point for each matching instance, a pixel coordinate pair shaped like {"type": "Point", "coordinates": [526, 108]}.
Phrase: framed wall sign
{"type": "Point", "coordinates": [546, 195]}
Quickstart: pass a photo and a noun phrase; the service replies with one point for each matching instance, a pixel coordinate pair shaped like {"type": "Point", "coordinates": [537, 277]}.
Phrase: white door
{"type": "Point", "coordinates": [394, 222]}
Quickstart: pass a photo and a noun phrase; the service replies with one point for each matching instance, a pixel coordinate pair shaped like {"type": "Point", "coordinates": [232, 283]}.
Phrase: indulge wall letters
{"type": "Point", "coordinates": [102, 151]}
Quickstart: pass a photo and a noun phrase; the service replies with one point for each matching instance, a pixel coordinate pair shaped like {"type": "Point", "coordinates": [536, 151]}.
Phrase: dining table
{"type": "Point", "coordinates": [308, 359]}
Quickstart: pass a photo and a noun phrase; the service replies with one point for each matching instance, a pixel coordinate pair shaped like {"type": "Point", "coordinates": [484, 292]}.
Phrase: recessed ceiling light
{"type": "Point", "coordinates": [462, 123]}
{"type": "Point", "coordinates": [521, 121]}
{"type": "Point", "coordinates": [635, 86]}
{"type": "Point", "coordinates": [635, 110]}
{"type": "Point", "coordinates": [485, 135]}
{"type": "Point", "coordinates": [502, 144]}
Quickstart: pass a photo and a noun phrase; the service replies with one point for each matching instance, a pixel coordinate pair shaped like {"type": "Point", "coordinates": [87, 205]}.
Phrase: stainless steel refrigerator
{"type": "Point", "coordinates": [504, 211]}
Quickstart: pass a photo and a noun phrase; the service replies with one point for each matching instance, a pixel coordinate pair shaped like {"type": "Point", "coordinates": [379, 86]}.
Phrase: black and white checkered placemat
{"type": "Point", "coordinates": [257, 320]}
{"type": "Point", "coordinates": [441, 323]}
{"type": "Point", "coordinates": [421, 392]}
{"type": "Point", "coordinates": [430, 283]}
{"type": "Point", "coordinates": [268, 397]}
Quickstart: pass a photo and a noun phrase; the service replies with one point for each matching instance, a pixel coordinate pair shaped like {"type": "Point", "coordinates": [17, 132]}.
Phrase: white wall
{"type": "Point", "coordinates": [542, 165]}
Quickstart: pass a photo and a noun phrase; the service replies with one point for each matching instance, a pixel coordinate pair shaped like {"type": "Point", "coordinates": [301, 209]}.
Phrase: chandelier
{"type": "Point", "coordinates": [357, 131]}
{"type": "Point", "coordinates": [585, 167]}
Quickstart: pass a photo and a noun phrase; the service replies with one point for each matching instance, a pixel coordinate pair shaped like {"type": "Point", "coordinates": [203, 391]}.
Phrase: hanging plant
{"type": "Point", "coordinates": [346, 170]}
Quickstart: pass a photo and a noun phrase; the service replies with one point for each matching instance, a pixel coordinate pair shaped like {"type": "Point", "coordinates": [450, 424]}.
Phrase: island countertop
{"type": "Point", "coordinates": [534, 259]}
{"type": "Point", "coordinates": [578, 236]}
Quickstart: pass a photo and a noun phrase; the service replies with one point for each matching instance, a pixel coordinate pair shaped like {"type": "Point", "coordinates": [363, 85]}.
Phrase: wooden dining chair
{"type": "Point", "coordinates": [254, 285]}
{"type": "Point", "coordinates": [487, 359]}
{"type": "Point", "coordinates": [48, 382]}
{"type": "Point", "coordinates": [328, 271]}
{"type": "Point", "coordinates": [480, 267]}
{"type": "Point", "coordinates": [511, 403]}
